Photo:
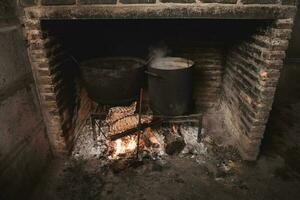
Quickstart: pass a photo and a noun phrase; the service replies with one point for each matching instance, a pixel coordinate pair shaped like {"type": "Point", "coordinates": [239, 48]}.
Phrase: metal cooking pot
{"type": "Point", "coordinates": [170, 85]}
{"type": "Point", "coordinates": [113, 80]}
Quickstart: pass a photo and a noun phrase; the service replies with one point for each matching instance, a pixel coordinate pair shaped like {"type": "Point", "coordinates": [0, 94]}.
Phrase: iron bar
{"type": "Point", "coordinates": [139, 123]}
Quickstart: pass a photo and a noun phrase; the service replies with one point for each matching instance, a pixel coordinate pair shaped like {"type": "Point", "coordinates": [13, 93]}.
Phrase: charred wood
{"type": "Point", "coordinates": [174, 142]}
{"type": "Point", "coordinates": [134, 130]}
{"type": "Point", "coordinates": [149, 139]}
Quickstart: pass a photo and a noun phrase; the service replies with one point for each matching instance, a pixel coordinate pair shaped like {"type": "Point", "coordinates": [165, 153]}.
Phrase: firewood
{"type": "Point", "coordinates": [117, 113]}
{"type": "Point", "coordinates": [128, 122]}
{"type": "Point", "coordinates": [150, 139]}
{"type": "Point", "coordinates": [134, 130]}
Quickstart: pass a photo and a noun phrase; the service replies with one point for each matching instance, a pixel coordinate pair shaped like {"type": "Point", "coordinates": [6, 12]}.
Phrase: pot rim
{"type": "Point", "coordinates": [171, 60]}
{"type": "Point", "coordinates": [95, 63]}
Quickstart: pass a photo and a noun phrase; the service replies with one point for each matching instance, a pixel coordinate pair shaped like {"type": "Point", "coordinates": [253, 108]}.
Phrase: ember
{"type": "Point", "coordinates": [174, 129]}
{"type": "Point", "coordinates": [124, 146]}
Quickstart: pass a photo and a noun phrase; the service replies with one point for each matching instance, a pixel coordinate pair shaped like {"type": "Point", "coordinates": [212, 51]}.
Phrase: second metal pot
{"type": "Point", "coordinates": [114, 80]}
{"type": "Point", "coordinates": [170, 85]}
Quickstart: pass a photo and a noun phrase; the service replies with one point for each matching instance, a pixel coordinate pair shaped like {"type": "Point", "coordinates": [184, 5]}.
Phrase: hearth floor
{"type": "Point", "coordinates": [276, 174]}
{"type": "Point", "coordinates": [176, 178]}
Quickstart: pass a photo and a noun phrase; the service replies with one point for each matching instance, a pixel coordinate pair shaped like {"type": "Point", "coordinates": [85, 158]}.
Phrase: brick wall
{"type": "Point", "coordinates": [41, 59]}
{"type": "Point", "coordinates": [64, 102]}
{"type": "Point", "coordinates": [90, 2]}
{"type": "Point", "coordinates": [24, 146]}
{"type": "Point", "coordinates": [208, 70]}
{"type": "Point", "coordinates": [251, 75]}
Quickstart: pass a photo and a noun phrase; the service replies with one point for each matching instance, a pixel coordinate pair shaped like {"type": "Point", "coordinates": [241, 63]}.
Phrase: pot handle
{"type": "Point", "coordinates": [153, 75]}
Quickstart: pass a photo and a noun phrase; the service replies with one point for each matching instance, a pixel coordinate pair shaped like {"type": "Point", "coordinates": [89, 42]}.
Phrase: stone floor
{"type": "Point", "coordinates": [276, 174]}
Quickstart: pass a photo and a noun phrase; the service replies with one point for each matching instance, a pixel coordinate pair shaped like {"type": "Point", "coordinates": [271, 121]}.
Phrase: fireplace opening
{"type": "Point", "coordinates": [232, 86]}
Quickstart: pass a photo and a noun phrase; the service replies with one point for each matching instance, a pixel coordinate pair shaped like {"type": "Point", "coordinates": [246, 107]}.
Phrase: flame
{"type": "Point", "coordinates": [174, 129]}
{"type": "Point", "coordinates": [124, 145]}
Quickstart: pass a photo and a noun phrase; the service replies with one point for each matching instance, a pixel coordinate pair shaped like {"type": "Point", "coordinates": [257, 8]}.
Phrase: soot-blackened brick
{"type": "Point", "coordinates": [58, 2]}
{"type": "Point", "coordinates": [98, 2]}
{"type": "Point", "coordinates": [288, 2]}
{"type": "Point", "coordinates": [28, 2]}
{"type": "Point", "coordinates": [178, 1]}
{"type": "Point", "coordinates": [219, 1]}
{"type": "Point", "coordinates": [259, 1]}
{"type": "Point", "coordinates": [137, 1]}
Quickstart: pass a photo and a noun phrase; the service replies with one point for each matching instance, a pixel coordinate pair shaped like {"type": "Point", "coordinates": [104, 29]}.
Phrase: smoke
{"type": "Point", "coordinates": [157, 52]}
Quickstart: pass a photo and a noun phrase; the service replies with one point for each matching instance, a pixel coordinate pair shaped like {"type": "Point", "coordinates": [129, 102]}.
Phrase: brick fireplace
{"type": "Point", "coordinates": [238, 46]}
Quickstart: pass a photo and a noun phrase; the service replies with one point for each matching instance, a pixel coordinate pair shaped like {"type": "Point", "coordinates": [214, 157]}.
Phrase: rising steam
{"type": "Point", "coordinates": [157, 52]}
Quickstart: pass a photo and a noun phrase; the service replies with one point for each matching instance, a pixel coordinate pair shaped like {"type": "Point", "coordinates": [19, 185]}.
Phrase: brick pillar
{"type": "Point", "coordinates": [39, 50]}
{"type": "Point", "coordinates": [251, 76]}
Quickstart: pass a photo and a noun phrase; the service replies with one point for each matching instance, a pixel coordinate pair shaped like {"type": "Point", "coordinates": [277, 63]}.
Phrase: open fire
{"type": "Point", "coordinates": [113, 134]}
{"type": "Point", "coordinates": [113, 139]}
{"type": "Point", "coordinates": [120, 119]}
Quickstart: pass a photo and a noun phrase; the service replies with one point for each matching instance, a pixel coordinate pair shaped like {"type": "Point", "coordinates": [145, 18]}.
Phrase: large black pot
{"type": "Point", "coordinates": [114, 80]}
{"type": "Point", "coordinates": [170, 86]}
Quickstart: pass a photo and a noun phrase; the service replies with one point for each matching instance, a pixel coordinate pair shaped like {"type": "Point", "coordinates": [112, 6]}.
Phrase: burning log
{"type": "Point", "coordinates": [174, 142]}
{"type": "Point", "coordinates": [149, 139]}
{"type": "Point", "coordinates": [128, 122]}
{"type": "Point", "coordinates": [135, 129]}
{"type": "Point", "coordinates": [117, 113]}
{"type": "Point", "coordinates": [124, 147]}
